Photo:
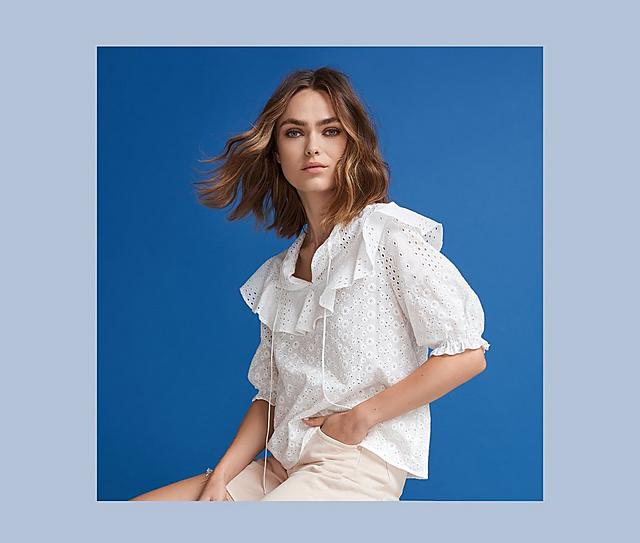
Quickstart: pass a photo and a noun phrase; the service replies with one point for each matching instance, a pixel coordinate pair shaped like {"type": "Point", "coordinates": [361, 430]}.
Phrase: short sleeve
{"type": "Point", "coordinates": [445, 314]}
{"type": "Point", "coordinates": [260, 374]}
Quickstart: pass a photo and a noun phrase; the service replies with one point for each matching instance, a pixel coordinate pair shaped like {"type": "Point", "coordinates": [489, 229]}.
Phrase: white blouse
{"type": "Point", "coordinates": [384, 293]}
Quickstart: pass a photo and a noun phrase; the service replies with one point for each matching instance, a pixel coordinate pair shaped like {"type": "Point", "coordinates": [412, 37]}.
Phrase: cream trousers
{"type": "Point", "coordinates": [328, 470]}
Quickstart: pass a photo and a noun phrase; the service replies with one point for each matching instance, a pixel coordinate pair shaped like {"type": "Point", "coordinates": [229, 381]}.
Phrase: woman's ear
{"type": "Point", "coordinates": [277, 157]}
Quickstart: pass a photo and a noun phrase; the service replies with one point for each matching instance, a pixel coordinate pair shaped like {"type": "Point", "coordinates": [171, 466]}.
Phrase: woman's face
{"type": "Point", "coordinates": [308, 131]}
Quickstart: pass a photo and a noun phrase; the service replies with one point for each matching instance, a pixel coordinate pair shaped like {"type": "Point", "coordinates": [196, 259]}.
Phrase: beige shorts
{"type": "Point", "coordinates": [328, 470]}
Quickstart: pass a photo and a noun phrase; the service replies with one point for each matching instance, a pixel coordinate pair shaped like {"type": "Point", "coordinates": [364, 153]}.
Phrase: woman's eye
{"type": "Point", "coordinates": [331, 132]}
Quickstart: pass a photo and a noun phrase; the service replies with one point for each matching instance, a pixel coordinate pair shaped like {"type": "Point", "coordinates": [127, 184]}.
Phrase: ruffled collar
{"type": "Point", "coordinates": [328, 249]}
{"type": "Point", "coordinates": [293, 305]}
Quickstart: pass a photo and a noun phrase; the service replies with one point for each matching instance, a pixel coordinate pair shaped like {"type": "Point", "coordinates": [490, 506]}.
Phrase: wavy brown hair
{"type": "Point", "coordinates": [249, 161]}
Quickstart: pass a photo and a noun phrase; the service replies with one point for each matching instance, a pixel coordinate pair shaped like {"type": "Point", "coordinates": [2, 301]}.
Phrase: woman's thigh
{"type": "Point", "coordinates": [185, 490]}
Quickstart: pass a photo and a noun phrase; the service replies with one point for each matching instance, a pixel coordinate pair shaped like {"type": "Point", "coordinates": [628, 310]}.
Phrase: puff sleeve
{"type": "Point", "coordinates": [445, 314]}
{"type": "Point", "coordinates": [260, 374]}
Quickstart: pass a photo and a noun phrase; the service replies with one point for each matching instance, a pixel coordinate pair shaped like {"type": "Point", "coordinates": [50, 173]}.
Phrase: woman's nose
{"type": "Point", "coordinates": [312, 145]}
{"type": "Point", "coordinates": [312, 148]}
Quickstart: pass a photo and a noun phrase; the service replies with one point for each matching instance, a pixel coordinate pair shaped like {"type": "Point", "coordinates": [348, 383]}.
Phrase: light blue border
{"type": "Point", "coordinates": [48, 301]}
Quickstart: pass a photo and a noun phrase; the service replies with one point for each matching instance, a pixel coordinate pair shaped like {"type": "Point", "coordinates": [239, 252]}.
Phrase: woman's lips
{"type": "Point", "coordinates": [314, 169]}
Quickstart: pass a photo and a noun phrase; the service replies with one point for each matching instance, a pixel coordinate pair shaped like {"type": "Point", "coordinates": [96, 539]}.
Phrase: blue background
{"type": "Point", "coordinates": [462, 131]}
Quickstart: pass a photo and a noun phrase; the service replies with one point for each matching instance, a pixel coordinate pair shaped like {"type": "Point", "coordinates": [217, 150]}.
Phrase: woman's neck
{"type": "Point", "coordinates": [313, 240]}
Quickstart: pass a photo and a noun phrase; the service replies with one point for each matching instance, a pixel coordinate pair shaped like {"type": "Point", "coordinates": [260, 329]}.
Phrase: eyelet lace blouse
{"type": "Point", "coordinates": [384, 294]}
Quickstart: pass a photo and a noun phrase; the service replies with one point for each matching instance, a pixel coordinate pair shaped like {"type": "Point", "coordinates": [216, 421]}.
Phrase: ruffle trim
{"type": "Point", "coordinates": [260, 291]}
{"type": "Point", "coordinates": [353, 250]}
{"type": "Point", "coordinates": [459, 344]}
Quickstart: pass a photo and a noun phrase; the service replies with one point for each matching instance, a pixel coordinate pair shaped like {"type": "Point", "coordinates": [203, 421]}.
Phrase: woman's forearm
{"type": "Point", "coordinates": [433, 379]}
{"type": "Point", "coordinates": [248, 442]}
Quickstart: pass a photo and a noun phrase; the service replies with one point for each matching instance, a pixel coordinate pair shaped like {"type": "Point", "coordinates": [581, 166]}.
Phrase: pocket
{"type": "Point", "coordinates": [333, 440]}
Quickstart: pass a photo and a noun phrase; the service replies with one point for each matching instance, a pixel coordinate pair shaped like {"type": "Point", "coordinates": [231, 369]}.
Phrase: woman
{"type": "Point", "coordinates": [347, 312]}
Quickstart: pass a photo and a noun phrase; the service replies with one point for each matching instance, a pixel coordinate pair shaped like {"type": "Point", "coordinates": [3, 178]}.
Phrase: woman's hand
{"type": "Point", "coordinates": [215, 489]}
{"type": "Point", "coordinates": [350, 427]}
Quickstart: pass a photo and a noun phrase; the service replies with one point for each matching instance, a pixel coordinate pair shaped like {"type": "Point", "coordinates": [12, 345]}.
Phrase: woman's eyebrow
{"type": "Point", "coordinates": [298, 122]}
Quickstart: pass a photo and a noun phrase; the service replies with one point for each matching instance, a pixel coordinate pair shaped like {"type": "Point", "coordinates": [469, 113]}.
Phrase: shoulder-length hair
{"type": "Point", "coordinates": [249, 162]}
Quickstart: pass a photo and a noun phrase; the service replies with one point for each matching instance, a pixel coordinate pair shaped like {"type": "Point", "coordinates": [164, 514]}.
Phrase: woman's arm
{"type": "Point", "coordinates": [433, 379]}
{"type": "Point", "coordinates": [248, 442]}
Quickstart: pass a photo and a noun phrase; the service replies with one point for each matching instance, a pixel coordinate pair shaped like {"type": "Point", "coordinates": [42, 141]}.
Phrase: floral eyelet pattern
{"type": "Point", "coordinates": [390, 296]}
